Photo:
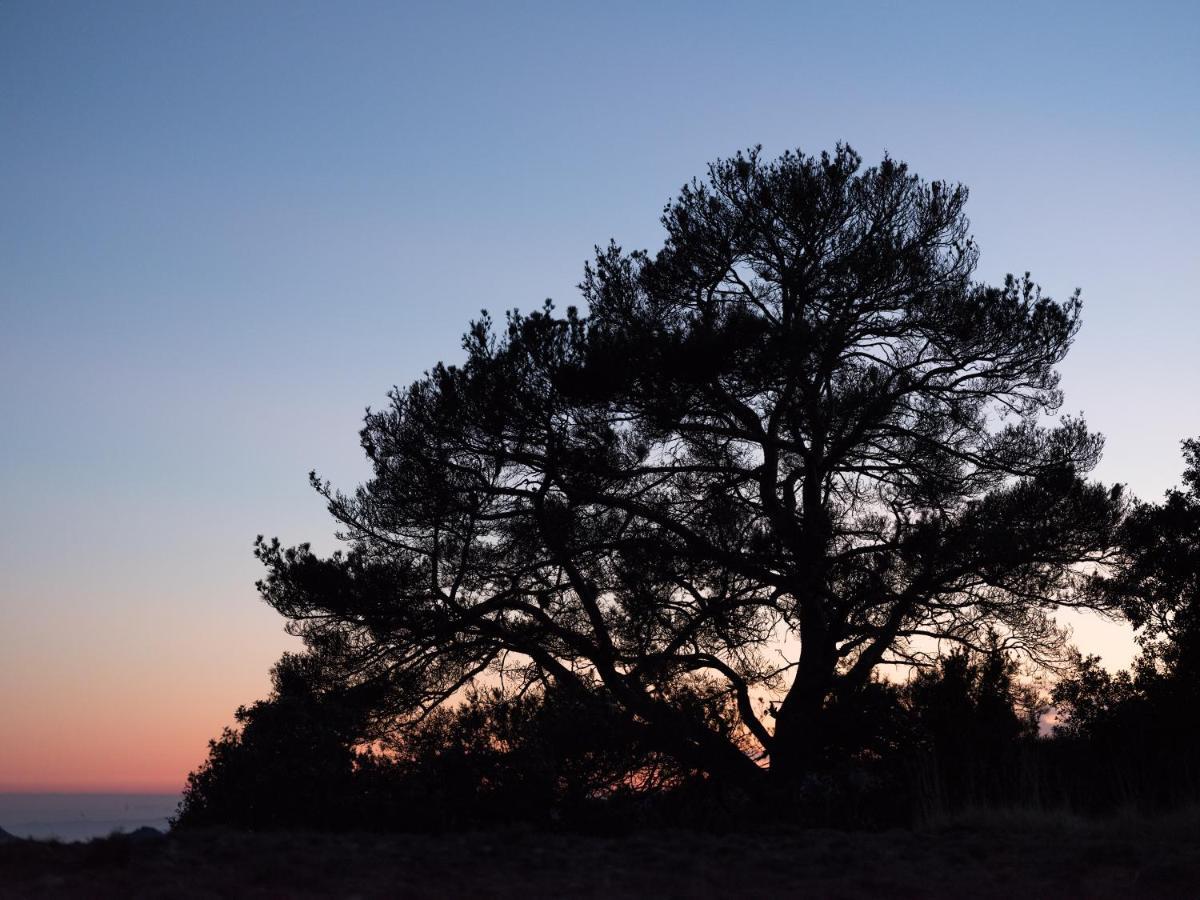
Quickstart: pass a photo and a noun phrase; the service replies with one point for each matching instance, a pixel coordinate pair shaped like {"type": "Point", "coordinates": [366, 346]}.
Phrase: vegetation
{"type": "Point", "coordinates": [655, 563]}
{"type": "Point", "coordinates": [994, 857]}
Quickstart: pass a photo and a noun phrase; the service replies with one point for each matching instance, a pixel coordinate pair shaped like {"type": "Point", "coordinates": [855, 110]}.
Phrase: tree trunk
{"type": "Point", "coordinates": [800, 738]}
{"type": "Point", "coordinates": [800, 733]}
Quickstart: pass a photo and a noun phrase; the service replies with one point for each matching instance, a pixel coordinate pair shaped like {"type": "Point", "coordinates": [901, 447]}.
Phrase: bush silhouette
{"type": "Point", "coordinates": [290, 763]}
{"type": "Point", "coordinates": [300, 759]}
{"type": "Point", "coordinates": [1133, 739]}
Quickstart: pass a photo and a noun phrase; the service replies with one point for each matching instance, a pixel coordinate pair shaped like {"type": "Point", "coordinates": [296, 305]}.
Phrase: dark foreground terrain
{"type": "Point", "coordinates": [996, 856]}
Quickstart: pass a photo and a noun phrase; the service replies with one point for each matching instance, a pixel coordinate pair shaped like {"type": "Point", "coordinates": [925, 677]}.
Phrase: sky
{"type": "Point", "coordinates": [228, 227]}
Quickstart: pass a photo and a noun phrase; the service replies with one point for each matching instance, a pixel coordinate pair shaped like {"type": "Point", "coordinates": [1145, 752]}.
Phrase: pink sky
{"type": "Point", "coordinates": [127, 706]}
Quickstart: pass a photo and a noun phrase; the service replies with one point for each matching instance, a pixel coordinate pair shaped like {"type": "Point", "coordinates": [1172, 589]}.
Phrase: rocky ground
{"type": "Point", "coordinates": [996, 856]}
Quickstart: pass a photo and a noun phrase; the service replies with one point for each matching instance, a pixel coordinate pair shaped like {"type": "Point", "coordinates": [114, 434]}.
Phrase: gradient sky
{"type": "Point", "coordinates": [225, 228]}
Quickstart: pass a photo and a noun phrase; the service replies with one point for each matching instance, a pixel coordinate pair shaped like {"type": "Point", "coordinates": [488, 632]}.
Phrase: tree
{"type": "Point", "coordinates": [1137, 731]}
{"type": "Point", "coordinates": [969, 721]}
{"type": "Point", "coordinates": [801, 421]}
{"type": "Point", "coordinates": [1155, 576]}
{"type": "Point", "coordinates": [290, 761]}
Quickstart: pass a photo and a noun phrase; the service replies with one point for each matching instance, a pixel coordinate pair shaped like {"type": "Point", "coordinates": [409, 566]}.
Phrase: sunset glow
{"type": "Point", "coordinates": [225, 230]}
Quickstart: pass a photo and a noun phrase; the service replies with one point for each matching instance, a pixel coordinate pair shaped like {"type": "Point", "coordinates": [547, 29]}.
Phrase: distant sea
{"type": "Point", "coordinates": [81, 817]}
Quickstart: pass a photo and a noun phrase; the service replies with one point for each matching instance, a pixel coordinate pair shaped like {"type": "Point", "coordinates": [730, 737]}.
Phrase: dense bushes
{"type": "Point", "coordinates": [961, 734]}
{"type": "Point", "coordinates": [290, 763]}
{"type": "Point", "coordinates": [542, 757]}
{"type": "Point", "coordinates": [557, 757]}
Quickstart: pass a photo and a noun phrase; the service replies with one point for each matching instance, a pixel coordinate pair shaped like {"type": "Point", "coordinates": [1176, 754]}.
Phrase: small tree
{"type": "Point", "coordinates": [1136, 732]}
{"type": "Point", "coordinates": [1155, 577]}
{"type": "Point", "coordinates": [800, 422]}
{"type": "Point", "coordinates": [970, 721]}
{"type": "Point", "coordinates": [290, 760]}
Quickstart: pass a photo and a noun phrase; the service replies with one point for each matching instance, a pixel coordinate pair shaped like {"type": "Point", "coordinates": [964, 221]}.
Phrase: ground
{"type": "Point", "coordinates": [984, 857]}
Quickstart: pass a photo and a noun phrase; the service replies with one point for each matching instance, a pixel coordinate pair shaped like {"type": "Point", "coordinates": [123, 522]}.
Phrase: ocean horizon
{"type": "Point", "coordinates": [83, 816]}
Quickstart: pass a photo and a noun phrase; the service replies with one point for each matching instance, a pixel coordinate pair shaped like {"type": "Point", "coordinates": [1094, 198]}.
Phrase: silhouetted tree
{"type": "Point", "coordinates": [801, 419]}
{"type": "Point", "coordinates": [1091, 699]}
{"type": "Point", "coordinates": [290, 760]}
{"type": "Point", "coordinates": [1138, 730]}
{"type": "Point", "coordinates": [1155, 578]}
{"type": "Point", "coordinates": [969, 719]}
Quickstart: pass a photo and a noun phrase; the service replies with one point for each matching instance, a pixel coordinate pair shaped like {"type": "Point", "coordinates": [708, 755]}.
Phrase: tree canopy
{"type": "Point", "coordinates": [798, 443]}
{"type": "Point", "coordinates": [1156, 576]}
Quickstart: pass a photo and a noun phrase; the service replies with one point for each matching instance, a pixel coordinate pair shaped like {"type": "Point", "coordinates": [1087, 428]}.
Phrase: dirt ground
{"type": "Point", "coordinates": [999, 857]}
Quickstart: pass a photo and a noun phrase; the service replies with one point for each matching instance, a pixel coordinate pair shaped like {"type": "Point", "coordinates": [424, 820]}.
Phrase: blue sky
{"type": "Point", "coordinates": [225, 228]}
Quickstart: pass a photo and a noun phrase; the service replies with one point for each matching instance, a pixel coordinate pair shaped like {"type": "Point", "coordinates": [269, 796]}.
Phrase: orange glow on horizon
{"type": "Point", "coordinates": [91, 728]}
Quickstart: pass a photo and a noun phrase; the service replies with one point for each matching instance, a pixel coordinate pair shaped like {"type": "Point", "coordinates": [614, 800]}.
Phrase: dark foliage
{"type": "Point", "coordinates": [1133, 739]}
{"type": "Point", "coordinates": [801, 423]}
{"type": "Point", "coordinates": [1156, 580]}
{"type": "Point", "coordinates": [974, 734]}
{"type": "Point", "coordinates": [543, 758]}
{"type": "Point", "coordinates": [290, 763]}
{"type": "Point", "coordinates": [950, 739]}
{"type": "Point", "coordinates": [802, 419]}
{"type": "Point", "coordinates": [299, 760]}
